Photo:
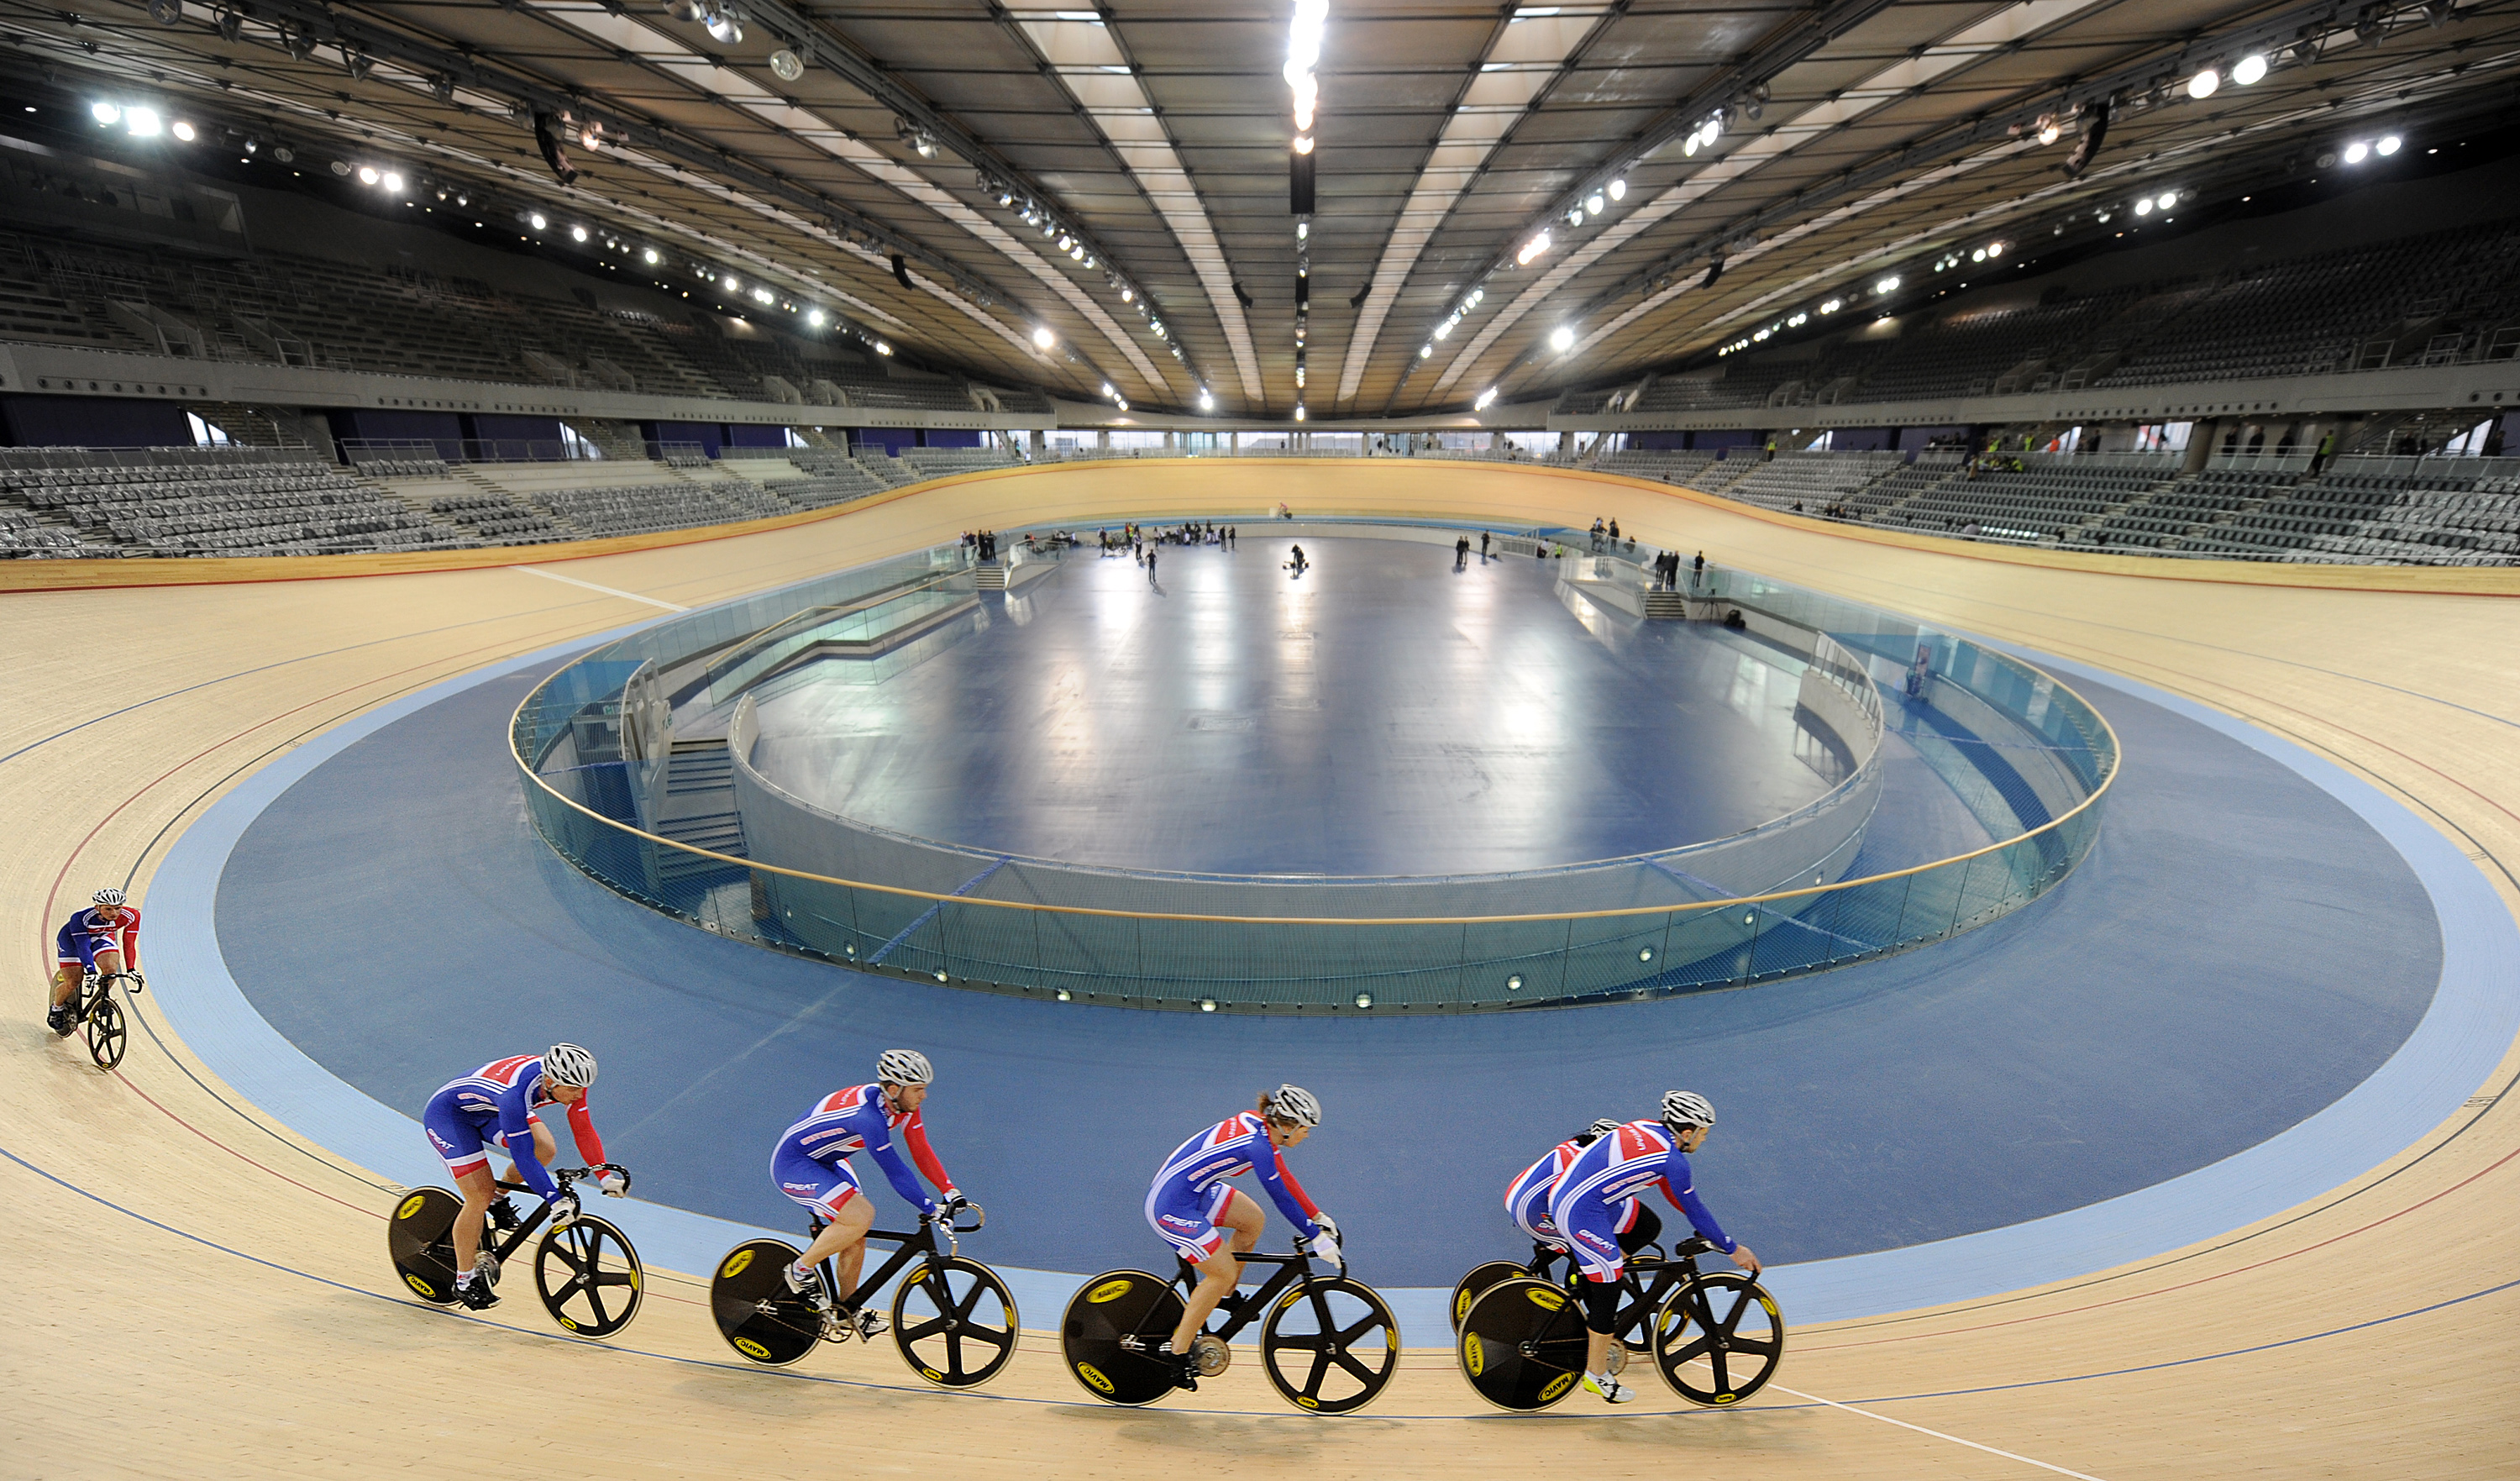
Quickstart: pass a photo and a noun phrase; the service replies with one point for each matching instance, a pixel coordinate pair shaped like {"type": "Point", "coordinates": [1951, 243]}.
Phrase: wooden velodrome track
{"type": "Point", "coordinates": [197, 1290]}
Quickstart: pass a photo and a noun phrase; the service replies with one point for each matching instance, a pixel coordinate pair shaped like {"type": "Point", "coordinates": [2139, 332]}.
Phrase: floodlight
{"type": "Point", "coordinates": [2249, 70]}
{"type": "Point", "coordinates": [1561, 339]}
{"type": "Point", "coordinates": [1043, 339]}
{"type": "Point", "coordinates": [2202, 85]}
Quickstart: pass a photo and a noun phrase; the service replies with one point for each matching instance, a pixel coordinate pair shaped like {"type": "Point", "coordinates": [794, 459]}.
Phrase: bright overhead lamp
{"type": "Point", "coordinates": [1594, 202]}
{"type": "Point", "coordinates": [1043, 339]}
{"type": "Point", "coordinates": [1206, 402]}
{"type": "Point", "coordinates": [1688, 146]}
{"type": "Point", "coordinates": [106, 113]}
{"type": "Point", "coordinates": [882, 348]}
{"type": "Point", "coordinates": [391, 181]}
{"type": "Point", "coordinates": [143, 123]}
{"type": "Point", "coordinates": [1303, 144]}
{"type": "Point", "coordinates": [1128, 295]}
{"type": "Point", "coordinates": [2357, 151]}
{"type": "Point", "coordinates": [2049, 132]}
{"type": "Point", "coordinates": [1303, 230]}
{"type": "Point", "coordinates": [815, 318]}
{"type": "Point", "coordinates": [1886, 286]}
{"type": "Point", "coordinates": [1444, 330]}
{"type": "Point", "coordinates": [1108, 390]}
{"type": "Point", "coordinates": [651, 256]}
{"type": "Point", "coordinates": [1299, 410]}
{"type": "Point", "coordinates": [1531, 250]}
{"type": "Point", "coordinates": [1995, 250]}
{"type": "Point", "coordinates": [537, 221]}
{"type": "Point", "coordinates": [368, 174]}
{"type": "Point", "coordinates": [1562, 338]}
{"type": "Point", "coordinates": [2202, 85]}
{"type": "Point", "coordinates": [1425, 351]}
{"type": "Point", "coordinates": [2249, 70]}
{"type": "Point", "coordinates": [2166, 199]}
{"type": "Point", "coordinates": [1619, 188]}
{"type": "Point", "coordinates": [577, 234]}
{"type": "Point", "coordinates": [183, 131]}
{"type": "Point", "coordinates": [1487, 398]}
{"type": "Point", "coordinates": [2388, 145]}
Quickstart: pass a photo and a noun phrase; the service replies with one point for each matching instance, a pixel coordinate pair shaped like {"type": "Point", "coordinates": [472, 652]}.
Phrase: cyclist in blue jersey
{"type": "Point", "coordinates": [1615, 1171]}
{"type": "Point", "coordinates": [494, 1106]}
{"type": "Point", "coordinates": [1193, 1207]}
{"type": "Point", "coordinates": [105, 939]}
{"type": "Point", "coordinates": [811, 1166]}
{"type": "Point", "coordinates": [1526, 1197]}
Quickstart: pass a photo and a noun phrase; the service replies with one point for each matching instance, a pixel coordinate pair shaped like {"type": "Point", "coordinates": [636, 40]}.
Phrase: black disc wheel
{"type": "Point", "coordinates": [1108, 1339]}
{"type": "Point", "coordinates": [419, 1239]}
{"type": "Point", "coordinates": [107, 1036]}
{"type": "Point", "coordinates": [1521, 1345]}
{"type": "Point", "coordinates": [1475, 1285]}
{"type": "Point", "coordinates": [955, 1321]}
{"type": "Point", "coordinates": [1718, 1338]}
{"type": "Point", "coordinates": [589, 1276]}
{"type": "Point", "coordinates": [1330, 1345]}
{"type": "Point", "coordinates": [756, 1313]}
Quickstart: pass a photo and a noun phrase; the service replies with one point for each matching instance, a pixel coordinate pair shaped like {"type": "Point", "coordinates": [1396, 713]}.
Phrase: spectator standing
{"type": "Point", "coordinates": [1461, 554]}
{"type": "Point", "coordinates": [1483, 546]}
{"type": "Point", "coordinates": [1697, 572]}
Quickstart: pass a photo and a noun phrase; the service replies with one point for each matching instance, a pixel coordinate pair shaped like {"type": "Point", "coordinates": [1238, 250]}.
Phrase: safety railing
{"type": "Point", "coordinates": [2040, 757]}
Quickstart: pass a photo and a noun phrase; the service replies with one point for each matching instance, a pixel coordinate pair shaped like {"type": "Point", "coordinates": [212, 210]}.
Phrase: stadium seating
{"type": "Point", "coordinates": [239, 506]}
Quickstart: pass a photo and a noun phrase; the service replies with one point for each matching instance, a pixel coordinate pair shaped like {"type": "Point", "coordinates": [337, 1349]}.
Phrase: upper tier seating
{"type": "Point", "coordinates": [242, 506]}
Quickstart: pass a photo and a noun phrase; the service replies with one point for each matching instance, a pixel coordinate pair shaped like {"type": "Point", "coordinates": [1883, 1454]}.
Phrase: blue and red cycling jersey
{"type": "Point", "coordinates": [846, 1122]}
{"type": "Point", "coordinates": [1188, 1180]}
{"type": "Point", "coordinates": [1620, 1167]}
{"type": "Point", "coordinates": [99, 929]}
{"type": "Point", "coordinates": [498, 1101]}
{"type": "Point", "coordinates": [1527, 1196]}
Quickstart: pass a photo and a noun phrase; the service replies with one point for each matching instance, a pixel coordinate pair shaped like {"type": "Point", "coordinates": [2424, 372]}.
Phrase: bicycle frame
{"type": "Point", "coordinates": [1678, 1268]}
{"type": "Point", "coordinates": [907, 1248]}
{"type": "Point", "coordinates": [1293, 1270]}
{"type": "Point", "coordinates": [525, 1227]}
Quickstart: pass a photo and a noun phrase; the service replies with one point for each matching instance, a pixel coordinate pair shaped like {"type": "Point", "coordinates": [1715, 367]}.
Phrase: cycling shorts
{"type": "Point", "coordinates": [1188, 1221]}
{"type": "Point", "coordinates": [1528, 1203]}
{"type": "Point", "coordinates": [823, 1187]}
{"type": "Point", "coordinates": [461, 1141]}
{"type": "Point", "coordinates": [1594, 1233]}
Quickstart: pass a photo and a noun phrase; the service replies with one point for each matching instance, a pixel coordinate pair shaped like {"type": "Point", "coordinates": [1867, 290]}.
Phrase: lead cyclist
{"type": "Point", "coordinates": [105, 939]}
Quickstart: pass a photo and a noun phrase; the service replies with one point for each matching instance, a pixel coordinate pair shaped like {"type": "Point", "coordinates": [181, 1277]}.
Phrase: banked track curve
{"type": "Point", "coordinates": [199, 1290]}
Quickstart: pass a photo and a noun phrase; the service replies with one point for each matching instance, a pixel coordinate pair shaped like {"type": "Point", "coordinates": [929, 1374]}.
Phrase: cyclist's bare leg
{"type": "Point", "coordinates": [845, 1237]}
{"type": "Point", "coordinates": [478, 1188]}
{"type": "Point", "coordinates": [66, 978]}
{"type": "Point", "coordinates": [1221, 1272]}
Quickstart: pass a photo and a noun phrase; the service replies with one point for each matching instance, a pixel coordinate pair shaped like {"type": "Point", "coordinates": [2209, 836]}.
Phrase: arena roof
{"type": "Point", "coordinates": [799, 149]}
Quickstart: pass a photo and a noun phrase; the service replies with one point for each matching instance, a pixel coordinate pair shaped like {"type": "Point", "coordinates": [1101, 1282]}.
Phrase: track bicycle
{"type": "Point", "coordinates": [1716, 1336]}
{"type": "Point", "coordinates": [99, 1019]}
{"type": "Point", "coordinates": [588, 1275]}
{"type": "Point", "coordinates": [952, 1319]}
{"type": "Point", "coordinates": [1328, 1343]}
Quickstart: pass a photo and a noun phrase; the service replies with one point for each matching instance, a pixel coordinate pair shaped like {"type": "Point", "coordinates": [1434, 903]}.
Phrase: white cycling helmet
{"type": "Point", "coordinates": [1684, 1107]}
{"type": "Point", "coordinates": [1603, 1127]}
{"type": "Point", "coordinates": [1293, 1102]}
{"type": "Point", "coordinates": [108, 897]}
{"type": "Point", "coordinates": [902, 1067]}
{"type": "Point", "coordinates": [568, 1065]}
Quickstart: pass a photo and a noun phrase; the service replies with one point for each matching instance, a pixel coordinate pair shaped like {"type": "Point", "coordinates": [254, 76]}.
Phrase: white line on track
{"type": "Point", "coordinates": [536, 570]}
{"type": "Point", "coordinates": [1937, 1434]}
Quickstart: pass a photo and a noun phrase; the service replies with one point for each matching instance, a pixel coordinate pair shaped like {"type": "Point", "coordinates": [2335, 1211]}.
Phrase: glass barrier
{"type": "Point", "coordinates": [2030, 753]}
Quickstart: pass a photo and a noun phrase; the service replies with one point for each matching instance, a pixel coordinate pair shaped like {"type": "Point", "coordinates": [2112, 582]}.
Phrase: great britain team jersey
{"type": "Point", "coordinates": [1237, 1144]}
{"type": "Point", "coordinates": [1636, 1158]}
{"type": "Point", "coordinates": [99, 929]}
{"type": "Point", "coordinates": [506, 1094]}
{"type": "Point", "coordinates": [857, 1119]}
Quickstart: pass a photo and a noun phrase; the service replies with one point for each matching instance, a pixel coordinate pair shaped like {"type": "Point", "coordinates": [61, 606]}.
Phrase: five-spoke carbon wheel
{"type": "Point", "coordinates": [107, 1035]}
{"type": "Point", "coordinates": [589, 1276]}
{"type": "Point", "coordinates": [419, 1239]}
{"type": "Point", "coordinates": [1718, 1338]}
{"type": "Point", "coordinates": [1330, 1345]}
{"type": "Point", "coordinates": [955, 1321]}
{"type": "Point", "coordinates": [1521, 1345]}
{"type": "Point", "coordinates": [756, 1313]}
{"type": "Point", "coordinates": [1109, 1334]}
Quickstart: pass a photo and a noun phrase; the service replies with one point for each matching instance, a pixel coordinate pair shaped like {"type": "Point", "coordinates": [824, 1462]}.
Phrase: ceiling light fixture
{"type": "Point", "coordinates": [2388, 145]}
{"type": "Point", "coordinates": [183, 131]}
{"type": "Point", "coordinates": [1487, 398]}
{"type": "Point", "coordinates": [1619, 188]}
{"type": "Point", "coordinates": [1043, 339]}
{"type": "Point", "coordinates": [1532, 249]}
{"type": "Point", "coordinates": [2201, 86]}
{"type": "Point", "coordinates": [1561, 339]}
{"type": "Point", "coordinates": [2249, 70]}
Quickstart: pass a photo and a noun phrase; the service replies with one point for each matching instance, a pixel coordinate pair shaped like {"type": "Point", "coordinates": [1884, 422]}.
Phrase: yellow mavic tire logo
{"type": "Point", "coordinates": [420, 1285]}
{"type": "Point", "coordinates": [1474, 1354]}
{"type": "Point", "coordinates": [752, 1349]}
{"type": "Point", "coordinates": [934, 1376]}
{"type": "Point", "coordinates": [1548, 1299]}
{"type": "Point", "coordinates": [410, 1205]}
{"type": "Point", "coordinates": [1093, 1376]}
{"type": "Point", "coordinates": [1308, 1403]}
{"type": "Point", "coordinates": [568, 1322]}
{"type": "Point", "coordinates": [1557, 1385]}
{"type": "Point", "coordinates": [1460, 1306]}
{"type": "Point", "coordinates": [735, 1264]}
{"type": "Point", "coordinates": [1728, 1398]}
{"type": "Point", "coordinates": [1110, 1290]}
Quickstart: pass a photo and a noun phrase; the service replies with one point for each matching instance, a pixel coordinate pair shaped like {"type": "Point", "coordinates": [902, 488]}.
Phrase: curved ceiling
{"type": "Point", "coordinates": [1118, 176]}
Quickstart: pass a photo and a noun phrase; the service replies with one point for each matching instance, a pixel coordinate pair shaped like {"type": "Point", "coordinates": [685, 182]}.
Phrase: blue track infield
{"type": "Point", "coordinates": [2240, 952]}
